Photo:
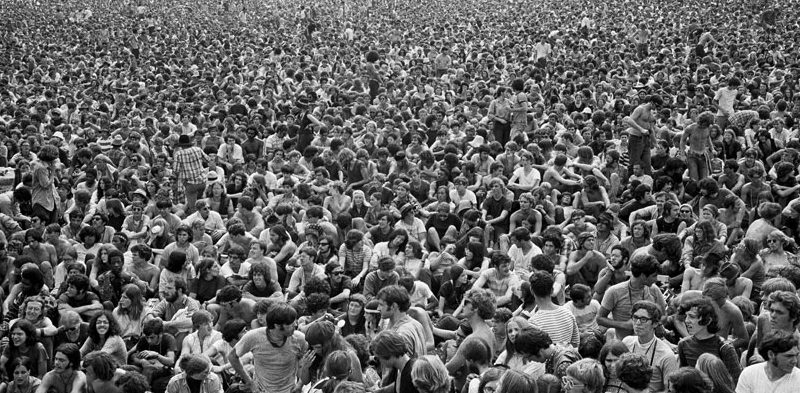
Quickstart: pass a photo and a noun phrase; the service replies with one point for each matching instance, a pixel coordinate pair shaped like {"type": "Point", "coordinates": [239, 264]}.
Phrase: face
{"type": "Point", "coordinates": [124, 301]}
{"type": "Point", "coordinates": [774, 244]}
{"type": "Point", "coordinates": [116, 265]}
{"type": "Point", "coordinates": [785, 361]}
{"type": "Point", "coordinates": [643, 324]}
{"type": "Point", "coordinates": [386, 310]}
{"type": "Point", "coordinates": [170, 292]}
{"type": "Point", "coordinates": [60, 362]}
{"type": "Point", "coordinates": [33, 311]}
{"type": "Point", "coordinates": [693, 321]}
{"type": "Point", "coordinates": [21, 375]}
{"type": "Point", "coordinates": [18, 337]}
{"type": "Point", "coordinates": [779, 316]}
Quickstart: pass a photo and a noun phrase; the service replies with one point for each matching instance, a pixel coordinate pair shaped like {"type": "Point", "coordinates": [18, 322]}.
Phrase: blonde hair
{"type": "Point", "coordinates": [716, 371]}
{"type": "Point", "coordinates": [589, 372]}
{"type": "Point", "coordinates": [430, 374]}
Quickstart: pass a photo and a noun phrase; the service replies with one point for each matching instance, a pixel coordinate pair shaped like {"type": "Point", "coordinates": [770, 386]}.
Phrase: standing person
{"type": "Point", "coordinates": [701, 147]}
{"type": "Point", "coordinates": [724, 100]}
{"type": "Point", "coordinates": [519, 108]}
{"type": "Point", "coordinates": [44, 194]}
{"type": "Point", "coordinates": [277, 352]}
{"type": "Point", "coordinates": [188, 166]}
{"type": "Point", "coordinates": [391, 350]}
{"type": "Point", "coordinates": [642, 132]}
{"type": "Point", "coordinates": [779, 374]}
{"type": "Point", "coordinates": [500, 114]}
{"type": "Point", "coordinates": [66, 376]}
{"type": "Point", "coordinates": [620, 298]}
{"type": "Point", "coordinates": [646, 316]}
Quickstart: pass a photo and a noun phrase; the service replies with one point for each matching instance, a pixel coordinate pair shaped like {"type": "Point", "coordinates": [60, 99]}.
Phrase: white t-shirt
{"type": "Point", "coordinates": [726, 98]}
{"type": "Point", "coordinates": [754, 380]}
{"type": "Point", "coordinates": [422, 292]}
{"type": "Point", "coordinates": [521, 262]}
{"type": "Point", "coordinates": [531, 179]}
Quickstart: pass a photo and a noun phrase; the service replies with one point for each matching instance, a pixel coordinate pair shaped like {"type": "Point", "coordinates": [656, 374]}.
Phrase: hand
{"type": "Point", "coordinates": [307, 359]}
{"type": "Point", "coordinates": [356, 280]}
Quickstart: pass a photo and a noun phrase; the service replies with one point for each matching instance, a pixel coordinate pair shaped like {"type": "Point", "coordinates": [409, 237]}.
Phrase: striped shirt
{"type": "Point", "coordinates": [559, 324]}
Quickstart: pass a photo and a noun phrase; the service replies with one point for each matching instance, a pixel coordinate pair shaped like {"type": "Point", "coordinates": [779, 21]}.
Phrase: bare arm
{"type": "Point", "coordinates": [604, 320]}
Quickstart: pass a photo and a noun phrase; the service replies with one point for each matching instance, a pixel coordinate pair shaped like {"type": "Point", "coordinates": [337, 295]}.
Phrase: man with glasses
{"type": "Point", "coordinates": [155, 354]}
{"type": "Point", "coordinates": [213, 223]}
{"type": "Point", "coordinates": [618, 300]}
{"type": "Point", "coordinates": [645, 317]}
{"type": "Point", "coordinates": [341, 285]}
{"type": "Point", "coordinates": [72, 329]}
{"type": "Point", "coordinates": [278, 352]}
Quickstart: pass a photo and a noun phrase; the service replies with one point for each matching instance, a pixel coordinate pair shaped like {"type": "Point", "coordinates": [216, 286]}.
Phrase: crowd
{"type": "Point", "coordinates": [478, 196]}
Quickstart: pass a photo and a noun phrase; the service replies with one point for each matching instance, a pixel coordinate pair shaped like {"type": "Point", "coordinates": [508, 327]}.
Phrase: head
{"type": "Point", "coordinates": [646, 317]}
{"type": "Point", "coordinates": [633, 370]}
{"type": "Point", "coordinates": [645, 268]}
{"type": "Point", "coordinates": [515, 381]}
{"type": "Point", "coordinates": [700, 316]}
{"type": "Point", "coordinates": [99, 365]}
{"type": "Point", "coordinates": [66, 357]}
{"type": "Point", "coordinates": [429, 375]}
{"type": "Point", "coordinates": [102, 326]}
{"type": "Point", "coordinates": [609, 355]}
{"type": "Point", "coordinates": [392, 300]}
{"type": "Point", "coordinates": [584, 376]}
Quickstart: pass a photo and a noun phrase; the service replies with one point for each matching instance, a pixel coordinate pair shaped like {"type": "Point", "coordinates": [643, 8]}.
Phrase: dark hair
{"type": "Point", "coordinates": [705, 312]}
{"type": "Point", "coordinates": [579, 292]}
{"type": "Point", "coordinates": [776, 342]}
{"type": "Point", "coordinates": [229, 293]}
{"type": "Point", "coordinates": [395, 294]}
{"type": "Point", "coordinates": [79, 281]}
{"type": "Point", "coordinates": [611, 348]}
{"type": "Point", "coordinates": [72, 352]}
{"type": "Point", "coordinates": [541, 283]}
{"type": "Point", "coordinates": [153, 326]}
{"type": "Point", "coordinates": [102, 363]}
{"type": "Point", "coordinates": [650, 307]}
{"type": "Point", "coordinates": [644, 264]}
{"type": "Point", "coordinates": [280, 314]}
{"type": "Point", "coordinates": [133, 382]}
{"type": "Point", "coordinates": [690, 380]}
{"type": "Point", "coordinates": [232, 328]}
{"type": "Point", "coordinates": [317, 302]}
{"type": "Point", "coordinates": [28, 328]}
{"type": "Point", "coordinates": [388, 343]}
{"type": "Point", "coordinates": [543, 263]}
{"type": "Point", "coordinates": [634, 371]}
{"type": "Point", "coordinates": [531, 340]}
{"type": "Point", "coordinates": [113, 327]}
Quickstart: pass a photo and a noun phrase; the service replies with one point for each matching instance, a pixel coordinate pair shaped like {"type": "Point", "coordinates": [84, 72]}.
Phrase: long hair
{"type": "Point", "coordinates": [716, 371]}
{"type": "Point", "coordinates": [134, 293]}
{"type": "Point", "coordinates": [515, 381]}
{"type": "Point", "coordinates": [113, 327]}
{"type": "Point", "coordinates": [27, 328]}
{"type": "Point", "coordinates": [430, 375]}
{"type": "Point", "coordinates": [510, 348]}
{"type": "Point", "coordinates": [615, 348]}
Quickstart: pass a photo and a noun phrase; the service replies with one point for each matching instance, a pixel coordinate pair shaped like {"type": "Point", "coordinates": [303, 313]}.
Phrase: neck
{"type": "Point", "coordinates": [647, 338]}
{"type": "Point", "coordinates": [396, 317]}
{"type": "Point", "coordinates": [636, 283]}
{"type": "Point", "coordinates": [544, 303]}
{"type": "Point", "coordinates": [703, 335]}
{"type": "Point", "coordinates": [774, 373]}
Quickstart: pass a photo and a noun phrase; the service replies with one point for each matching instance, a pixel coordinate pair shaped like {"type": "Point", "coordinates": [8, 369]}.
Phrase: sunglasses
{"type": "Point", "coordinates": [686, 211]}
{"type": "Point", "coordinates": [773, 241]}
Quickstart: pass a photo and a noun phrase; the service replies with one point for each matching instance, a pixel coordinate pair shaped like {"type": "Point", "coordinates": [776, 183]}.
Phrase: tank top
{"type": "Point", "coordinates": [667, 227]}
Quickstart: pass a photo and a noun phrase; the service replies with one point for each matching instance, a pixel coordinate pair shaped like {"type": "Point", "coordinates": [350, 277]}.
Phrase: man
{"type": "Point", "coordinates": [277, 350]}
{"type": "Point", "coordinates": [558, 322]}
{"type": "Point", "coordinates": [12, 201]}
{"type": "Point", "coordinates": [78, 298]}
{"type": "Point", "coordinates": [533, 344]}
{"type": "Point", "coordinates": [478, 306]}
{"type": "Point", "coordinates": [213, 223]}
{"type": "Point", "coordinates": [111, 283]}
{"type": "Point", "coordinates": [620, 298]}
{"type": "Point", "coordinates": [72, 329]}
{"type": "Point", "coordinates": [634, 373]}
{"type": "Point", "coordinates": [43, 253]}
{"type": "Point", "coordinates": [393, 304]}
{"type": "Point", "coordinates": [141, 267]}
{"type": "Point", "coordinates": [779, 374]}
{"type": "Point", "coordinates": [100, 368]}
{"type": "Point", "coordinates": [585, 263]}
{"type": "Point", "coordinates": [642, 132]}
{"type": "Point", "coordinates": [381, 278]}
{"type": "Point", "coordinates": [43, 192]}
{"type": "Point", "coordinates": [155, 354]}
{"type": "Point", "coordinates": [521, 252]}
{"type": "Point", "coordinates": [498, 278]}
{"type": "Point", "coordinates": [441, 224]}
{"type": "Point", "coordinates": [176, 309]}
{"type": "Point", "coordinates": [731, 321]}
{"type": "Point", "coordinates": [645, 317]}
{"type": "Point", "coordinates": [230, 305]}
{"type": "Point", "coordinates": [308, 270]}
{"type": "Point", "coordinates": [188, 166]}
{"type": "Point", "coordinates": [701, 148]}
{"type": "Point", "coordinates": [65, 376]}
{"type": "Point", "coordinates": [52, 236]}
{"type": "Point", "coordinates": [390, 349]}
{"type": "Point", "coordinates": [252, 220]}
{"type": "Point", "coordinates": [724, 100]}
{"type": "Point", "coordinates": [701, 324]}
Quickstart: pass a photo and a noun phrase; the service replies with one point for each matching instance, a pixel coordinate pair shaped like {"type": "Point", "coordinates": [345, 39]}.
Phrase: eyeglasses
{"type": "Point", "coordinates": [641, 320]}
{"type": "Point", "coordinates": [686, 211]}
{"type": "Point", "coordinates": [324, 244]}
{"type": "Point", "coordinates": [338, 272]}
{"type": "Point", "coordinates": [772, 241]}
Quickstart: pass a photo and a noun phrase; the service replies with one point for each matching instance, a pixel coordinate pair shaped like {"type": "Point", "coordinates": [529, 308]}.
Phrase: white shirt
{"type": "Point", "coordinates": [521, 262]}
{"type": "Point", "coordinates": [754, 380]}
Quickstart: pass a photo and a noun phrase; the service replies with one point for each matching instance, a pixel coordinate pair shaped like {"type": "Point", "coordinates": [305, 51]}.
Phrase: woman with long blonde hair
{"type": "Point", "coordinates": [428, 374]}
{"type": "Point", "coordinates": [717, 372]}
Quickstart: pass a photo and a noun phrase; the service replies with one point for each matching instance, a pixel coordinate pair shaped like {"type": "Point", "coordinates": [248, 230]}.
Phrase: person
{"type": "Point", "coordinates": [701, 147]}
{"type": "Point", "coordinates": [65, 377]}
{"type": "Point", "coordinates": [717, 373]}
{"type": "Point", "coordinates": [208, 282]}
{"type": "Point", "coordinates": [203, 336]}
{"type": "Point", "coordinates": [23, 342]}
{"type": "Point", "coordinates": [353, 321]}
{"type": "Point", "coordinates": [533, 344]}
{"type": "Point", "coordinates": [394, 303]}
{"type": "Point", "coordinates": [104, 336]}
{"type": "Point", "coordinates": [779, 373]}
{"type": "Point", "coordinates": [176, 309]}
{"type": "Point", "coordinates": [428, 374]}
{"type": "Point", "coordinates": [22, 381]}
{"type": "Point", "coordinates": [690, 380]}
{"type": "Point", "coordinates": [701, 324]}
{"type": "Point", "coordinates": [277, 352]}
{"type": "Point", "coordinates": [154, 354]}
{"type": "Point", "coordinates": [43, 192]}
{"type": "Point", "coordinates": [196, 376]}
{"type": "Point", "coordinates": [323, 339]}
{"type": "Point", "coordinates": [100, 369]}
{"type": "Point", "coordinates": [619, 299]}
{"type": "Point", "coordinates": [391, 350]}
{"type": "Point", "coordinates": [478, 306]}
{"type": "Point", "coordinates": [78, 298]}
{"type": "Point", "coordinates": [230, 304]}
{"type": "Point", "coordinates": [642, 132]}
{"type": "Point", "coordinates": [189, 160]}
{"type": "Point", "coordinates": [557, 321]}
{"type": "Point", "coordinates": [384, 276]}
{"type": "Point", "coordinates": [634, 373]}
{"type": "Point", "coordinates": [130, 314]}
{"type": "Point", "coordinates": [337, 369]}
{"type": "Point", "coordinates": [498, 278]}
{"type": "Point", "coordinates": [646, 318]}
{"type": "Point", "coordinates": [583, 376]}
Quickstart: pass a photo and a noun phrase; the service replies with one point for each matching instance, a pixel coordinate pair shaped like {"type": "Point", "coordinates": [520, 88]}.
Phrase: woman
{"type": "Point", "coordinates": [116, 213]}
{"type": "Point", "coordinates": [337, 369]}
{"type": "Point", "coordinates": [452, 291]}
{"type": "Point", "coordinates": [21, 381]}
{"type": "Point", "coordinates": [429, 375]}
{"type": "Point", "coordinates": [204, 288]}
{"type": "Point", "coordinates": [261, 284]}
{"type": "Point", "coordinates": [690, 380]}
{"type": "Point", "coordinates": [177, 266]}
{"type": "Point", "coordinates": [701, 243]}
{"type": "Point", "coordinates": [183, 243]}
{"type": "Point", "coordinates": [337, 202]}
{"type": "Point", "coordinates": [510, 357]}
{"type": "Point", "coordinates": [281, 249]}
{"type": "Point", "coordinates": [716, 371]}
{"type": "Point", "coordinates": [584, 376]}
{"type": "Point", "coordinates": [394, 247]}
{"type": "Point", "coordinates": [775, 253]}
{"type": "Point", "coordinates": [236, 186]}
{"type": "Point", "coordinates": [99, 264]}
{"type": "Point", "coordinates": [22, 342]}
{"type": "Point", "coordinates": [88, 244]}
{"type": "Point", "coordinates": [710, 214]}
{"type": "Point", "coordinates": [196, 376]}
{"type": "Point", "coordinates": [474, 261]}
{"type": "Point", "coordinates": [500, 115]}
{"type": "Point", "coordinates": [354, 320]}
{"type": "Point", "coordinates": [360, 206]}
{"type": "Point", "coordinates": [746, 255]}
{"type": "Point", "coordinates": [355, 257]}
{"type": "Point", "coordinates": [707, 267]}
{"type": "Point", "coordinates": [516, 382]}
{"type": "Point", "coordinates": [412, 262]}
{"type": "Point", "coordinates": [608, 357]}
{"type": "Point", "coordinates": [322, 341]}
{"type": "Point", "coordinates": [104, 336]}
{"type": "Point", "coordinates": [130, 313]}
{"type": "Point", "coordinates": [553, 245]}
{"type": "Point", "coordinates": [218, 200]}
{"type": "Point", "coordinates": [35, 311]}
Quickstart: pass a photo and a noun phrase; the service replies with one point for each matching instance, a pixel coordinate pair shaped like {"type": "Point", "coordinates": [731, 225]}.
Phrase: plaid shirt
{"type": "Point", "coordinates": [189, 165]}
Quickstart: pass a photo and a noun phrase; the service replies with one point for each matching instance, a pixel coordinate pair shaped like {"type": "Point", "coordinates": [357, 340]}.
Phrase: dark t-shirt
{"type": "Point", "coordinates": [441, 225]}
{"type": "Point", "coordinates": [452, 295]}
{"type": "Point", "coordinates": [166, 345]}
{"type": "Point", "coordinates": [495, 207]}
{"type": "Point", "coordinates": [207, 290]}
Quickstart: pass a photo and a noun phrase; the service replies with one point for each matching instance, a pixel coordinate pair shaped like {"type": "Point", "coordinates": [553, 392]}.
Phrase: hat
{"type": "Point", "coordinates": [117, 140]}
{"type": "Point", "coordinates": [584, 236]}
{"type": "Point", "coordinates": [320, 332]}
{"type": "Point", "coordinates": [713, 209]}
{"type": "Point", "coordinates": [184, 141]}
{"type": "Point", "coordinates": [313, 229]}
{"type": "Point", "coordinates": [102, 158]}
{"type": "Point", "coordinates": [212, 176]}
{"type": "Point", "coordinates": [141, 193]}
{"type": "Point", "coordinates": [406, 209]}
{"type": "Point", "coordinates": [58, 134]}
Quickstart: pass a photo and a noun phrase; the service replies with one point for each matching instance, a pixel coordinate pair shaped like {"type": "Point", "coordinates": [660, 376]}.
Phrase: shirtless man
{"type": "Point", "coordinates": [700, 145]}
{"type": "Point", "coordinates": [642, 130]}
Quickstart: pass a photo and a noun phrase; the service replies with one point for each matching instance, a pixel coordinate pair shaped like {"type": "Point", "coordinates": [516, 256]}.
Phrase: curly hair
{"type": "Point", "coordinates": [113, 327]}
{"type": "Point", "coordinates": [633, 370]}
